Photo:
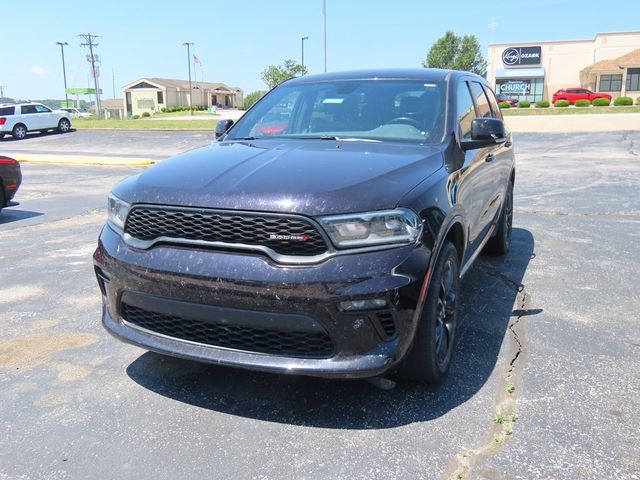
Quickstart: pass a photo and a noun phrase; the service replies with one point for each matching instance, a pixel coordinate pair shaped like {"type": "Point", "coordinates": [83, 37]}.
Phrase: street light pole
{"type": "Point", "coordinates": [324, 13]}
{"type": "Point", "coordinates": [64, 73]}
{"type": "Point", "coordinates": [303, 39]}
{"type": "Point", "coordinates": [188, 44]}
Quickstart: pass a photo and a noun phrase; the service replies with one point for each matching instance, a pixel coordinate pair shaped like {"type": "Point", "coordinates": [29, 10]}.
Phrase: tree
{"type": "Point", "coordinates": [456, 53]}
{"type": "Point", "coordinates": [252, 98]}
{"type": "Point", "coordinates": [276, 74]}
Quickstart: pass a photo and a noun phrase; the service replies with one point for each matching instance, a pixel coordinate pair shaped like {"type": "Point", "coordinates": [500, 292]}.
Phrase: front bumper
{"type": "Point", "coordinates": [241, 287]}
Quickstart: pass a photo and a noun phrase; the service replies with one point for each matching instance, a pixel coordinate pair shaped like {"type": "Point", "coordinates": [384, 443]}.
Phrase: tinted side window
{"type": "Point", "coordinates": [27, 109]}
{"type": "Point", "coordinates": [7, 110]}
{"type": "Point", "coordinates": [465, 113]}
{"type": "Point", "coordinates": [493, 103]}
{"type": "Point", "coordinates": [482, 103]}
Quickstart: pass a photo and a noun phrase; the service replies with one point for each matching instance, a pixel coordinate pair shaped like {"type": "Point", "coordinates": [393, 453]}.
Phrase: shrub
{"type": "Point", "coordinates": [524, 104]}
{"type": "Point", "coordinates": [638, 101]}
{"type": "Point", "coordinates": [504, 105]}
{"type": "Point", "coordinates": [623, 101]}
{"type": "Point", "coordinates": [542, 104]}
{"type": "Point", "coordinates": [583, 102]}
{"type": "Point", "coordinates": [136, 117]}
{"type": "Point", "coordinates": [601, 102]}
{"type": "Point", "coordinates": [146, 114]}
{"type": "Point", "coordinates": [562, 103]}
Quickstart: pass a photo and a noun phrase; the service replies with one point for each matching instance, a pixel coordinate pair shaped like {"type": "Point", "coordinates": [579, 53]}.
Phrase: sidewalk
{"type": "Point", "coordinates": [606, 122]}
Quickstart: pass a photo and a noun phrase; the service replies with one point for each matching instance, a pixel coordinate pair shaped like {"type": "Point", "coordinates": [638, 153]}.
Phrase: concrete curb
{"type": "Point", "coordinates": [79, 159]}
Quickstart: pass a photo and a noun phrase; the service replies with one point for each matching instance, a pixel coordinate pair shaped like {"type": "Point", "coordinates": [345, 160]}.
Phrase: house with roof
{"type": "Point", "coordinates": [151, 94]}
{"type": "Point", "coordinates": [620, 76]}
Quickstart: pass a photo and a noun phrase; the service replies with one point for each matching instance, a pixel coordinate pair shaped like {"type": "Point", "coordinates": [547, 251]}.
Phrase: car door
{"type": "Point", "coordinates": [29, 116]}
{"type": "Point", "coordinates": [490, 178]}
{"type": "Point", "coordinates": [472, 179]}
{"type": "Point", "coordinates": [46, 118]}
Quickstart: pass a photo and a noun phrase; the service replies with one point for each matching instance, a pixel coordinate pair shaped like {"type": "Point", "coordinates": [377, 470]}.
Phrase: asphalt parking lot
{"type": "Point", "coordinates": [549, 346]}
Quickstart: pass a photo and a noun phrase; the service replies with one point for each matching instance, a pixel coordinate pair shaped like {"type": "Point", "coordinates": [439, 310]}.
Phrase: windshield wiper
{"type": "Point", "coordinates": [339, 139]}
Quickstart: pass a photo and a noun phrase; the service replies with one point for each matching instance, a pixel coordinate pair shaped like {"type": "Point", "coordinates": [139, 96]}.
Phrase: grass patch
{"type": "Point", "coordinates": [146, 124]}
{"type": "Point", "coordinates": [569, 111]}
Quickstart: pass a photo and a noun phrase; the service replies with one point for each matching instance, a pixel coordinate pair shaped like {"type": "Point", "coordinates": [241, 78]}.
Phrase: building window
{"type": "Point", "coordinates": [160, 97]}
{"type": "Point", "coordinates": [531, 89]}
{"type": "Point", "coordinates": [610, 83]}
{"type": "Point", "coordinates": [633, 80]}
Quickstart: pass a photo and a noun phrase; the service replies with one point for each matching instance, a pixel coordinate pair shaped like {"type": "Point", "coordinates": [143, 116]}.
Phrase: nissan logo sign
{"type": "Point", "coordinates": [516, 56]}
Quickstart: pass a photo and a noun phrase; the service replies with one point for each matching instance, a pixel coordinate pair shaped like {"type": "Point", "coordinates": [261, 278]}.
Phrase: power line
{"type": "Point", "coordinates": [90, 41]}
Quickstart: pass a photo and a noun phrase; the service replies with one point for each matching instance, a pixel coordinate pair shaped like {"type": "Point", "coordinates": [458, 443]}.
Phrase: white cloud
{"type": "Point", "coordinates": [36, 70]}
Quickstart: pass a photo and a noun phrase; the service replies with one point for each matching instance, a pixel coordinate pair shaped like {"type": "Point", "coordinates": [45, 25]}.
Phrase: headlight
{"type": "Point", "coordinates": [117, 211]}
{"type": "Point", "coordinates": [372, 228]}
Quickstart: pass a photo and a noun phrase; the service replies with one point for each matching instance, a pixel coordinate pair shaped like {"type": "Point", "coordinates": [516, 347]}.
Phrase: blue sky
{"type": "Point", "coordinates": [236, 40]}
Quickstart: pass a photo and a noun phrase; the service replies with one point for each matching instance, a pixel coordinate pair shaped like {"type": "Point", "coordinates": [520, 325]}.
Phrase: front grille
{"type": "Point", "coordinates": [149, 223]}
{"type": "Point", "coordinates": [250, 339]}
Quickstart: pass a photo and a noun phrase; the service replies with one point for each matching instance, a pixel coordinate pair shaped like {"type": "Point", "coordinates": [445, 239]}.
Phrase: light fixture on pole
{"type": "Point", "coordinates": [303, 39]}
{"type": "Point", "coordinates": [64, 73]}
{"type": "Point", "coordinates": [188, 44]}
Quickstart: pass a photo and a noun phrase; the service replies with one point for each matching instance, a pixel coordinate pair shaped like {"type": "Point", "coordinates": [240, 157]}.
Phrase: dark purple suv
{"type": "Point", "coordinates": [331, 246]}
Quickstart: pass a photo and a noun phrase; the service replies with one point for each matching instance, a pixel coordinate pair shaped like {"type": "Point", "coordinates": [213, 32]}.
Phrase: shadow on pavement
{"type": "Point", "coordinates": [489, 291]}
{"type": "Point", "coordinates": [32, 135]}
{"type": "Point", "coordinates": [9, 215]}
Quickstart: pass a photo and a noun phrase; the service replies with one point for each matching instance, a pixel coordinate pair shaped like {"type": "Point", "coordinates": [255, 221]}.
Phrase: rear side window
{"type": "Point", "coordinates": [7, 110]}
{"type": "Point", "coordinates": [28, 109]}
{"type": "Point", "coordinates": [482, 103]}
{"type": "Point", "coordinates": [465, 113]}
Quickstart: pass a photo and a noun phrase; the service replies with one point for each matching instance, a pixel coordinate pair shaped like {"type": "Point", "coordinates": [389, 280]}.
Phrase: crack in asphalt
{"type": "Point", "coordinates": [626, 138]}
{"type": "Point", "coordinates": [463, 463]}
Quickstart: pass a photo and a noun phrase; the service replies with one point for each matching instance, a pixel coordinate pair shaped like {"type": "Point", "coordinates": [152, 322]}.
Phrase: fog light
{"type": "Point", "coordinates": [369, 304]}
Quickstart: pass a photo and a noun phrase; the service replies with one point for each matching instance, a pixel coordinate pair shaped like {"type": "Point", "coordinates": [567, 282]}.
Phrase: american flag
{"type": "Point", "coordinates": [196, 60]}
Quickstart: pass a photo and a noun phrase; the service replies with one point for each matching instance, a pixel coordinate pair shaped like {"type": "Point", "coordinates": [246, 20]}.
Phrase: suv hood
{"type": "Point", "coordinates": [310, 177]}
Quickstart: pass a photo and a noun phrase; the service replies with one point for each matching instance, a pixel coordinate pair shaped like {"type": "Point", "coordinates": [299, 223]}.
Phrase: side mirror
{"type": "Point", "coordinates": [484, 133]}
{"type": "Point", "coordinates": [222, 126]}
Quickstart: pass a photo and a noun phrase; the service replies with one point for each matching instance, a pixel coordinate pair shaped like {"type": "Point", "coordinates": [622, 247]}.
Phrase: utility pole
{"type": "Point", "coordinates": [90, 41]}
{"type": "Point", "coordinates": [113, 82]}
{"type": "Point", "coordinates": [188, 44]}
{"type": "Point", "coordinates": [303, 39]}
{"type": "Point", "coordinates": [64, 73]}
{"type": "Point", "coordinates": [324, 14]}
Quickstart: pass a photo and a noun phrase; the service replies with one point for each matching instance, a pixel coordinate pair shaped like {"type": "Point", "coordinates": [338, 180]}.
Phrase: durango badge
{"type": "Point", "coordinates": [301, 238]}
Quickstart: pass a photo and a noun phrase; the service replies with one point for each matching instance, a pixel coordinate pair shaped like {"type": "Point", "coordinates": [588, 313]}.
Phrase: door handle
{"type": "Point", "coordinates": [490, 158]}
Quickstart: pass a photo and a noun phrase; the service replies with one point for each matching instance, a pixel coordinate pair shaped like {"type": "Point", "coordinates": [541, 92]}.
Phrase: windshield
{"type": "Point", "coordinates": [378, 110]}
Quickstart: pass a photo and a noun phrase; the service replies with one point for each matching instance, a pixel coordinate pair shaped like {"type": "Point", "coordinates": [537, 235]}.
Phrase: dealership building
{"type": "Point", "coordinates": [609, 62]}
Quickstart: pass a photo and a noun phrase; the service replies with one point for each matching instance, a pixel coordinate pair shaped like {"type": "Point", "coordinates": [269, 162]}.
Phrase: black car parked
{"type": "Point", "coordinates": [330, 246]}
{"type": "Point", "coordinates": [10, 179]}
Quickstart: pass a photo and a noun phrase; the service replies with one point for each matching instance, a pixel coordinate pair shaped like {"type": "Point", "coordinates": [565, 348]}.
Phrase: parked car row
{"type": "Point", "coordinates": [17, 119]}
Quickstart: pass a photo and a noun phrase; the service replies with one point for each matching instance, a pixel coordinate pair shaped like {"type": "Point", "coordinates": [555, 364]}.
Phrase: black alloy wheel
{"type": "Point", "coordinates": [500, 242]}
{"type": "Point", "coordinates": [430, 357]}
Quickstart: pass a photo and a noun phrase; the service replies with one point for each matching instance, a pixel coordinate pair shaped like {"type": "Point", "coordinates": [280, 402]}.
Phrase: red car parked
{"type": "Point", "coordinates": [577, 93]}
{"type": "Point", "coordinates": [10, 179]}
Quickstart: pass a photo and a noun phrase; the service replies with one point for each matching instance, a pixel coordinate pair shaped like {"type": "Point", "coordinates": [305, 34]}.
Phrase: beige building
{"type": "Point", "coordinates": [151, 94]}
{"type": "Point", "coordinates": [610, 62]}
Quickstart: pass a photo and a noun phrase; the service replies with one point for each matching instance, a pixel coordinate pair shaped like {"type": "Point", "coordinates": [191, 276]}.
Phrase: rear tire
{"type": "Point", "coordinates": [64, 125]}
{"type": "Point", "coordinates": [19, 131]}
{"type": "Point", "coordinates": [432, 350]}
{"type": "Point", "coordinates": [500, 242]}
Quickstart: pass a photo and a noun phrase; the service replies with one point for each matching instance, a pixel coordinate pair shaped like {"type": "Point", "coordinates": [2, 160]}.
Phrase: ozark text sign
{"type": "Point", "coordinates": [516, 56]}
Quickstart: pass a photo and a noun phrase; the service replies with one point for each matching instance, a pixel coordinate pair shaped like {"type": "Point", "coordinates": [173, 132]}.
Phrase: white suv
{"type": "Point", "coordinates": [19, 118]}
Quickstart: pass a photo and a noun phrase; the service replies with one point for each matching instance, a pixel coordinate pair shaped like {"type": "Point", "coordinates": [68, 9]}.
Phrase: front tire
{"type": "Point", "coordinates": [64, 125]}
{"type": "Point", "coordinates": [19, 131]}
{"type": "Point", "coordinates": [432, 350]}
